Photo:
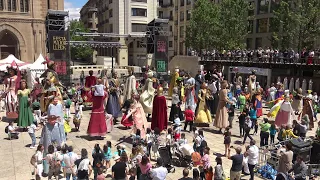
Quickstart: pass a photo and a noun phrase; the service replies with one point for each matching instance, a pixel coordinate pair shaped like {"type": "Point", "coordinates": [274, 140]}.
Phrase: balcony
{"type": "Point", "coordinates": [92, 9]}
{"type": "Point", "coordinates": [166, 5]}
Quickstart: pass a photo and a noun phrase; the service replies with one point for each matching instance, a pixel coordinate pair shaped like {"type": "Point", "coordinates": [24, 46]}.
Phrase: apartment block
{"type": "Point", "coordinates": [179, 13]}
{"type": "Point", "coordinates": [127, 20]}
{"type": "Point", "coordinates": [88, 15]}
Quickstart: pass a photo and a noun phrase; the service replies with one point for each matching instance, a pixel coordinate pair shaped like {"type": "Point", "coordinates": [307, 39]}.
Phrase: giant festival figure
{"type": "Point", "coordinates": [12, 85]}
{"type": "Point", "coordinates": [252, 83]}
{"type": "Point", "coordinates": [173, 82]}
{"type": "Point", "coordinates": [147, 96]}
{"type": "Point", "coordinates": [52, 86]}
{"type": "Point", "coordinates": [159, 111]}
{"type": "Point", "coordinates": [130, 86]}
{"type": "Point", "coordinates": [86, 94]}
{"type": "Point", "coordinates": [25, 114]}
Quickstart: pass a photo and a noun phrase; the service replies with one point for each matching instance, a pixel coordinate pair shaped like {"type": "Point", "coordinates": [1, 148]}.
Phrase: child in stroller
{"type": "Point", "coordinates": [184, 154]}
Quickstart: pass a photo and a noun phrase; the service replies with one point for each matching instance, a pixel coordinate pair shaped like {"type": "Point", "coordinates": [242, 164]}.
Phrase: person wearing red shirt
{"type": "Point", "coordinates": [189, 117]}
{"type": "Point", "coordinates": [86, 94]}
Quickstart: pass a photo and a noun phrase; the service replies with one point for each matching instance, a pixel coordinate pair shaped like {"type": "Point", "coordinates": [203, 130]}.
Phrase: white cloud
{"type": "Point", "coordinates": [74, 12]}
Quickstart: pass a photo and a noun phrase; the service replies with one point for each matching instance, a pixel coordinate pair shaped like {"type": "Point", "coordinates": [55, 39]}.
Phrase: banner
{"type": "Point", "coordinates": [57, 44]}
{"type": "Point", "coordinates": [161, 54]}
{"type": "Point", "coordinates": [61, 67]}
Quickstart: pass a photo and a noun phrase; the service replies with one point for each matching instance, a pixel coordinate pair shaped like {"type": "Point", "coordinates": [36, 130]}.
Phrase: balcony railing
{"type": "Point", "coordinates": [144, 1]}
{"type": "Point", "coordinates": [166, 5]}
{"type": "Point", "coordinates": [92, 9]}
{"type": "Point", "coordinates": [261, 60]}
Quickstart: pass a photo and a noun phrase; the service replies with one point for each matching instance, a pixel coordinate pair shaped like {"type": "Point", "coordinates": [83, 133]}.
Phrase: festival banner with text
{"type": "Point", "coordinates": [161, 54]}
{"type": "Point", "coordinates": [57, 44]}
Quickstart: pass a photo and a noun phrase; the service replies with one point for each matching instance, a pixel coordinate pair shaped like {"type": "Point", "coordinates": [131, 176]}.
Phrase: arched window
{"type": "Point", "coordinates": [24, 5]}
{"type": "Point", "coordinates": [1, 5]}
{"type": "Point", "coordinates": [12, 5]}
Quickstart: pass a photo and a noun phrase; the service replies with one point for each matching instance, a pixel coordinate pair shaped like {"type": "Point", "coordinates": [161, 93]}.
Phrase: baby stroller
{"type": "Point", "coordinates": [183, 153]}
{"type": "Point", "coordinates": [167, 161]}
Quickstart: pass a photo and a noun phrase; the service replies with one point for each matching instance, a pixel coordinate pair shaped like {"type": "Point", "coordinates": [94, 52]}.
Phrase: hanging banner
{"type": "Point", "coordinates": [161, 54]}
{"type": "Point", "coordinates": [61, 67]}
{"type": "Point", "coordinates": [57, 44]}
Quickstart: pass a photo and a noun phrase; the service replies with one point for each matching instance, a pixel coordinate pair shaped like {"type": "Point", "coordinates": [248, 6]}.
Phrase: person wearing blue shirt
{"type": "Point", "coordinates": [253, 117]}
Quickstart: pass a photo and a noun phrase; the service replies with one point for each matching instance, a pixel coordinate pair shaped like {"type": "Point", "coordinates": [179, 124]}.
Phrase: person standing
{"type": "Point", "coordinates": [130, 86]}
{"type": "Point", "coordinates": [236, 168]}
{"type": "Point", "coordinates": [190, 92]}
{"type": "Point", "coordinates": [25, 114]}
{"type": "Point", "coordinates": [84, 168]}
{"type": "Point", "coordinates": [253, 156]}
{"type": "Point", "coordinates": [264, 134]}
{"type": "Point", "coordinates": [185, 173]}
{"type": "Point", "coordinates": [221, 119]}
{"type": "Point", "coordinates": [285, 160]}
{"type": "Point", "coordinates": [199, 80]}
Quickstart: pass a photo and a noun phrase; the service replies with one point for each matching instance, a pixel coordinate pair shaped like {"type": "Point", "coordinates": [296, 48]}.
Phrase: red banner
{"type": "Point", "coordinates": [61, 67]}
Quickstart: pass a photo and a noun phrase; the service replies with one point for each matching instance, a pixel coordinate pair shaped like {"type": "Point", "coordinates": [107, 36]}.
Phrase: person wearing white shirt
{"type": "Point", "coordinates": [160, 172]}
{"type": "Point", "coordinates": [73, 157]}
{"type": "Point", "coordinates": [253, 156]}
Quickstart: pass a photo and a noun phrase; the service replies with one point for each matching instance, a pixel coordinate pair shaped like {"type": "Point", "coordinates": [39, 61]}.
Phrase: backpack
{"type": "Point", "coordinates": [33, 160]}
{"type": "Point", "coordinates": [6, 129]}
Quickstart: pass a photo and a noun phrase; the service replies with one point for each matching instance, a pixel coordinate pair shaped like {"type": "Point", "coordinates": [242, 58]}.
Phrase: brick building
{"type": "Point", "coordinates": [22, 27]}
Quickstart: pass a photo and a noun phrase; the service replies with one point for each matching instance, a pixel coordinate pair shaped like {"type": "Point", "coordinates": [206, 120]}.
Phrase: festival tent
{"type": "Point", "coordinates": [36, 69]}
{"type": "Point", "coordinates": [12, 59]}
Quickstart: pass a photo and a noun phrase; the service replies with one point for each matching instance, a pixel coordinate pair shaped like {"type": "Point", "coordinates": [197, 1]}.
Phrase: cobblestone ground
{"type": "Point", "coordinates": [15, 154]}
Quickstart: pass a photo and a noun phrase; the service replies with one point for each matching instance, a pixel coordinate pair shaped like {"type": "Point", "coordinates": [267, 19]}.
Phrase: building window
{"type": "Point", "coordinates": [181, 16]}
{"type": "Point", "coordinates": [12, 5]}
{"type": "Point", "coordinates": [274, 5]}
{"type": "Point", "coordinates": [138, 44]}
{"type": "Point", "coordinates": [262, 25]}
{"type": "Point", "coordinates": [111, 28]}
{"type": "Point", "coordinates": [138, 12]}
{"type": "Point", "coordinates": [263, 6]}
{"type": "Point", "coordinates": [181, 2]}
{"type": "Point", "coordinates": [250, 26]}
{"type": "Point", "coordinates": [188, 14]}
{"type": "Point", "coordinates": [249, 43]}
{"type": "Point", "coordinates": [24, 5]}
{"type": "Point", "coordinates": [181, 31]}
{"type": "Point", "coordinates": [188, 2]}
{"type": "Point", "coordinates": [258, 43]}
{"type": "Point", "coordinates": [135, 27]}
{"type": "Point", "coordinates": [110, 13]}
{"type": "Point", "coordinates": [1, 5]}
{"type": "Point", "coordinates": [90, 15]}
{"type": "Point", "coordinates": [170, 43]}
{"type": "Point", "coordinates": [170, 28]}
{"type": "Point", "coordinates": [181, 48]}
{"type": "Point", "coordinates": [160, 14]}
{"type": "Point", "coordinates": [110, 1]}
{"type": "Point", "coordinates": [251, 8]}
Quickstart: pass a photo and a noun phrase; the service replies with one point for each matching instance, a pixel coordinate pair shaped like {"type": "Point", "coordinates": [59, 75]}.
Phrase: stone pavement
{"type": "Point", "coordinates": [15, 154]}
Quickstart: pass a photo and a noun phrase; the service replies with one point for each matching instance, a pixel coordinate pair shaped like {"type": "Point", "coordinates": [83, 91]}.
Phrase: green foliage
{"type": "Point", "coordinates": [234, 23]}
{"type": "Point", "coordinates": [202, 31]}
{"type": "Point", "coordinates": [222, 26]}
{"type": "Point", "coordinates": [297, 24]}
{"type": "Point", "coordinates": [84, 53]}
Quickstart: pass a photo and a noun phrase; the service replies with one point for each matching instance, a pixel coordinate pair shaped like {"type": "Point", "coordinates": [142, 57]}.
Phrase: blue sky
{"type": "Point", "coordinates": [74, 6]}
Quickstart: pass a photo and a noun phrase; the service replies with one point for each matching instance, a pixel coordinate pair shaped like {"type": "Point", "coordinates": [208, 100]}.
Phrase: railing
{"type": "Point", "coordinates": [263, 60]}
{"type": "Point", "coordinates": [145, 1]}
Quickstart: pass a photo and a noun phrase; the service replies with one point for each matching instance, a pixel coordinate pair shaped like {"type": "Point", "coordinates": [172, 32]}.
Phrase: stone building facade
{"type": "Point", "coordinates": [22, 27]}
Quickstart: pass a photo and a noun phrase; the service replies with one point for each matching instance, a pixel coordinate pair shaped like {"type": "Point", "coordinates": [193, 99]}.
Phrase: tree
{"type": "Point", "coordinates": [202, 32]}
{"type": "Point", "coordinates": [83, 53]}
{"type": "Point", "coordinates": [233, 22]}
{"type": "Point", "coordinates": [296, 24]}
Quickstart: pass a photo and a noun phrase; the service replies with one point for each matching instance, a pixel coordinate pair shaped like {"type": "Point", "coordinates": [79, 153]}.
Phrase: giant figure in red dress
{"type": "Point", "coordinates": [86, 95]}
{"type": "Point", "coordinates": [159, 111]}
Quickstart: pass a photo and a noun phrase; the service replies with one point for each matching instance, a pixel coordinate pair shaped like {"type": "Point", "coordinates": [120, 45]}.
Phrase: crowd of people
{"type": "Point", "coordinates": [195, 101]}
{"type": "Point", "coordinates": [266, 55]}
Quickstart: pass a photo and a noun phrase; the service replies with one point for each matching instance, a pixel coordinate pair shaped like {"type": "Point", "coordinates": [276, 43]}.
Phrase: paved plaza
{"type": "Point", "coordinates": [15, 154]}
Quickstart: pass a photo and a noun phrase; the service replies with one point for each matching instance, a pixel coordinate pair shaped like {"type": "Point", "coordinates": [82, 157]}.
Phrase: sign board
{"type": "Point", "coordinates": [161, 54]}
{"type": "Point", "coordinates": [61, 67]}
{"type": "Point", "coordinates": [57, 44]}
